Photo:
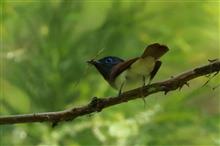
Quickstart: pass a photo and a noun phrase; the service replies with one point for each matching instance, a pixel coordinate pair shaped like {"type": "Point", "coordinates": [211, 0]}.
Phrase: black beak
{"type": "Point", "coordinates": [93, 62]}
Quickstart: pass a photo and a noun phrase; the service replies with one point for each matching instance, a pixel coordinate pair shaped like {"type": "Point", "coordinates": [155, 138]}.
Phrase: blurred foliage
{"type": "Point", "coordinates": [44, 48]}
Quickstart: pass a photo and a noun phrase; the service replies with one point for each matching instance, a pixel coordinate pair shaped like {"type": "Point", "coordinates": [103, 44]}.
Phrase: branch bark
{"type": "Point", "coordinates": [98, 104]}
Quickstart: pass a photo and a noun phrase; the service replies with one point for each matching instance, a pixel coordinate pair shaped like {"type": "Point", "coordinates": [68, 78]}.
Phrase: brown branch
{"type": "Point", "coordinates": [97, 104]}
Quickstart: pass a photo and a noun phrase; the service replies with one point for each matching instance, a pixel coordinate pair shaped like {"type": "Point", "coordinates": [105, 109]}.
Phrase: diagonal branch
{"type": "Point", "coordinates": [97, 104]}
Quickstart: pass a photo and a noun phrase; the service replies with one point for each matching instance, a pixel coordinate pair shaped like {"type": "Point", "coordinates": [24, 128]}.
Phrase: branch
{"type": "Point", "coordinates": [98, 104]}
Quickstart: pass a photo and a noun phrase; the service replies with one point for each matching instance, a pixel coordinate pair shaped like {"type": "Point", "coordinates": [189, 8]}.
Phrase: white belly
{"type": "Point", "coordinates": [133, 77]}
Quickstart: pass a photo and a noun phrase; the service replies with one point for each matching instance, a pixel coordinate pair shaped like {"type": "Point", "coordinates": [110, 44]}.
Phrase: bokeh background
{"type": "Point", "coordinates": [44, 49]}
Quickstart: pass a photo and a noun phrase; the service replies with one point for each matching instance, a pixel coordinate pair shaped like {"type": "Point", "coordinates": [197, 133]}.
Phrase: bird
{"type": "Point", "coordinates": [124, 75]}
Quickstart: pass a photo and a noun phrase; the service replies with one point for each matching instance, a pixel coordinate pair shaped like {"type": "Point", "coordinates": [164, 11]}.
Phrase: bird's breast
{"type": "Point", "coordinates": [132, 77]}
{"type": "Point", "coordinates": [142, 66]}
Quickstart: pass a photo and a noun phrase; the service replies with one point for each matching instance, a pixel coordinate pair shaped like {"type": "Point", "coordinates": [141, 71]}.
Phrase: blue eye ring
{"type": "Point", "coordinates": [109, 60]}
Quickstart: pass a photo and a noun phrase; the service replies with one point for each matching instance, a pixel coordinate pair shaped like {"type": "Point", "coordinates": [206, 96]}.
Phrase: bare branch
{"type": "Point", "coordinates": [97, 104]}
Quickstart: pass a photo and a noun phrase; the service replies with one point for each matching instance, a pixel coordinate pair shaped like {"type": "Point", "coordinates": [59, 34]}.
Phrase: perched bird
{"type": "Point", "coordinates": [132, 73]}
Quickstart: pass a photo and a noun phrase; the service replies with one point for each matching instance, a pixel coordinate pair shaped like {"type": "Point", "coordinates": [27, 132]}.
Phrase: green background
{"type": "Point", "coordinates": [44, 49]}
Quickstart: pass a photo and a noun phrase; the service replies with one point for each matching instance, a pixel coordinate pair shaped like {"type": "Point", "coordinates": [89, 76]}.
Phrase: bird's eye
{"type": "Point", "coordinates": [108, 60]}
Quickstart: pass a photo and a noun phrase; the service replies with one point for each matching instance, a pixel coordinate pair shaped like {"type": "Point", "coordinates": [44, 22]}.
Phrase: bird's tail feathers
{"type": "Point", "coordinates": [155, 50]}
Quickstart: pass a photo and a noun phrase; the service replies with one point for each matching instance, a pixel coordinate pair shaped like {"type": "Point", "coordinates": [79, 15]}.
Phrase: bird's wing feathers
{"type": "Point", "coordinates": [119, 68]}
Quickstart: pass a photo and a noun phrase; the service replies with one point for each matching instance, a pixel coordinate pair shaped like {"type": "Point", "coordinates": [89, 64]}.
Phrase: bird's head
{"type": "Point", "coordinates": [105, 65]}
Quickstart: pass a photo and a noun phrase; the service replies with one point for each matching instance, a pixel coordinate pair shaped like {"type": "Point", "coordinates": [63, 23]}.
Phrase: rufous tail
{"type": "Point", "coordinates": [155, 50]}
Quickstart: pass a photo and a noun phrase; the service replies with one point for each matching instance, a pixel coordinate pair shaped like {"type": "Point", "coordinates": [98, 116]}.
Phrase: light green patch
{"type": "Point", "coordinates": [15, 97]}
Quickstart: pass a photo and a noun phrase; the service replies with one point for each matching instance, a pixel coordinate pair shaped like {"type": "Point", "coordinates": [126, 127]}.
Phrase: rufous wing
{"type": "Point", "coordinates": [119, 68]}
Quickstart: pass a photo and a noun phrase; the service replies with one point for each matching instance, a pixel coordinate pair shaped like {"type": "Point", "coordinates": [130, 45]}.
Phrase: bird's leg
{"type": "Point", "coordinates": [120, 89]}
{"type": "Point", "coordinates": [149, 81]}
{"type": "Point", "coordinates": [142, 90]}
{"type": "Point", "coordinates": [144, 80]}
